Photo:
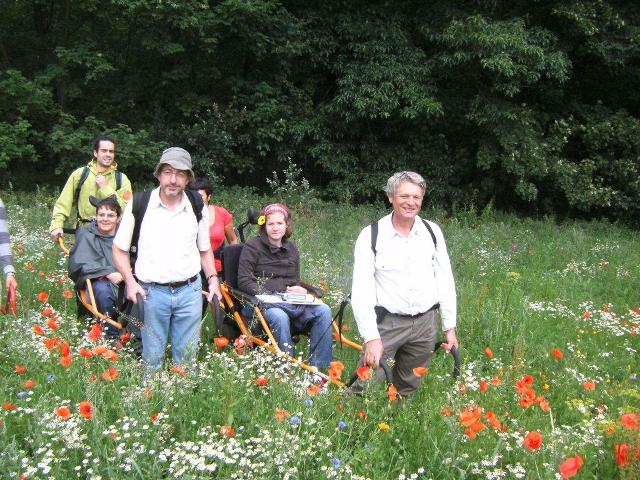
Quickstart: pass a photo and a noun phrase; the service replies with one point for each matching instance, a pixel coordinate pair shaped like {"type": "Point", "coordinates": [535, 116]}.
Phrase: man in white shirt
{"type": "Point", "coordinates": [401, 276]}
{"type": "Point", "coordinates": [172, 248]}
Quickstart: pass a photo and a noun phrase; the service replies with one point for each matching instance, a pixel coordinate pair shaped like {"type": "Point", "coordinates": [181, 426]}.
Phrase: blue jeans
{"type": "Point", "coordinates": [171, 311]}
{"type": "Point", "coordinates": [314, 320]}
{"type": "Point", "coordinates": [105, 294]}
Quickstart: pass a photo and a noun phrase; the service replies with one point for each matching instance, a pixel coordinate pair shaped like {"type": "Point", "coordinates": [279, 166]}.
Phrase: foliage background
{"type": "Point", "coordinates": [531, 106]}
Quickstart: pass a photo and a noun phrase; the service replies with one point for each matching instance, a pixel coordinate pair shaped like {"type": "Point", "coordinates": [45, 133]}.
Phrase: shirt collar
{"type": "Point", "coordinates": [154, 201]}
{"type": "Point", "coordinates": [388, 231]}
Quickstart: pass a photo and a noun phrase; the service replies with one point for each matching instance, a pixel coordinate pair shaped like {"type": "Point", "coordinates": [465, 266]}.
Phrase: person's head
{"type": "Point", "coordinates": [203, 186]}
{"type": "Point", "coordinates": [276, 223]}
{"type": "Point", "coordinates": [107, 213]}
{"type": "Point", "coordinates": [173, 172]}
{"type": "Point", "coordinates": [405, 191]}
{"type": "Point", "coordinates": [104, 151]}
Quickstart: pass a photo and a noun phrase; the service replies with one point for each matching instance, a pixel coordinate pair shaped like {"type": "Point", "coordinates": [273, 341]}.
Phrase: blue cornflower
{"type": "Point", "coordinates": [633, 378]}
{"type": "Point", "coordinates": [23, 394]}
{"type": "Point", "coordinates": [308, 402]}
{"type": "Point", "coordinates": [51, 377]}
{"type": "Point", "coordinates": [335, 463]}
{"type": "Point", "coordinates": [294, 420]}
{"type": "Point", "coordinates": [342, 425]}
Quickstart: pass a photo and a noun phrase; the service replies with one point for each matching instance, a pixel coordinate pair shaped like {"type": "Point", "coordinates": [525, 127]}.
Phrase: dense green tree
{"type": "Point", "coordinates": [531, 105]}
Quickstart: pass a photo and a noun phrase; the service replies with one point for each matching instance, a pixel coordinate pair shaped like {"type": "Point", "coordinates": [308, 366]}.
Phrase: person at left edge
{"type": "Point", "coordinates": [172, 248]}
{"type": "Point", "coordinates": [100, 181]}
{"type": "Point", "coordinates": [6, 260]}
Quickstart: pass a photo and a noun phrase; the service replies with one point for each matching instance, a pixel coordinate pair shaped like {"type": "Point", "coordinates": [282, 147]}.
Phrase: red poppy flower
{"type": "Point", "coordinates": [178, 370]}
{"type": "Point", "coordinates": [85, 353]}
{"type": "Point", "coordinates": [37, 329]}
{"type": "Point", "coordinates": [589, 386]}
{"type": "Point", "coordinates": [226, 431]}
{"type": "Point", "coordinates": [446, 412]}
{"type": "Point", "coordinates": [125, 337]}
{"type": "Point", "coordinates": [110, 355]}
{"type": "Point", "coordinates": [621, 451]}
{"type": "Point", "coordinates": [66, 361]}
{"type": "Point", "coordinates": [313, 390]}
{"type": "Point", "coordinates": [261, 382]}
{"type": "Point", "coordinates": [557, 354]}
{"type": "Point", "coordinates": [420, 371]}
{"type": "Point", "coordinates": [335, 370]}
{"type": "Point", "coordinates": [95, 333]}
{"type": "Point", "coordinates": [473, 429]}
{"type": "Point", "coordinates": [631, 421]}
{"type": "Point", "coordinates": [468, 417]}
{"type": "Point", "coordinates": [110, 374]}
{"type": "Point", "coordinates": [364, 372]}
{"type": "Point", "coordinates": [86, 410]}
{"type": "Point", "coordinates": [43, 297]}
{"type": "Point", "coordinates": [392, 392]}
{"type": "Point", "coordinates": [488, 353]}
{"type": "Point", "coordinates": [362, 415]}
{"type": "Point", "coordinates": [51, 343]}
{"type": "Point", "coordinates": [64, 349]}
{"type": "Point", "coordinates": [9, 406]}
{"type": "Point", "coordinates": [484, 386]}
{"type": "Point", "coordinates": [220, 342]}
{"type": "Point", "coordinates": [29, 384]}
{"type": "Point", "coordinates": [46, 312]}
{"type": "Point", "coordinates": [52, 323]}
{"type": "Point", "coordinates": [493, 421]}
{"type": "Point", "coordinates": [569, 468]}
{"type": "Point", "coordinates": [496, 381]}
{"type": "Point", "coordinates": [67, 294]}
{"type": "Point", "coordinates": [533, 441]}
{"type": "Point", "coordinates": [154, 417]}
{"type": "Point", "coordinates": [544, 406]}
{"type": "Point", "coordinates": [63, 412]}
{"type": "Point", "coordinates": [20, 369]}
{"type": "Point", "coordinates": [281, 414]}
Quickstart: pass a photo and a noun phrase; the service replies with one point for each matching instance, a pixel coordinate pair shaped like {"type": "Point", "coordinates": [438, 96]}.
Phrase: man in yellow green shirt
{"type": "Point", "coordinates": [99, 178]}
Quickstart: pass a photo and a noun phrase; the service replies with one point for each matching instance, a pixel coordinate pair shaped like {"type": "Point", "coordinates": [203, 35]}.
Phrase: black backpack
{"type": "Point", "coordinates": [139, 208]}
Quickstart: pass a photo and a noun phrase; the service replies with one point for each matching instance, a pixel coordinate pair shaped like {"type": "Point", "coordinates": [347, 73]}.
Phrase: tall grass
{"type": "Point", "coordinates": [524, 288]}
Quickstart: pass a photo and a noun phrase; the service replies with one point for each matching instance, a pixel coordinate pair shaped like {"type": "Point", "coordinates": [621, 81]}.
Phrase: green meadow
{"type": "Point", "coordinates": [549, 332]}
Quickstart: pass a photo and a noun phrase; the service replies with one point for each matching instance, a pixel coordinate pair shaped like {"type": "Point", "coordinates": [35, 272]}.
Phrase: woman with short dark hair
{"type": "Point", "coordinates": [91, 257]}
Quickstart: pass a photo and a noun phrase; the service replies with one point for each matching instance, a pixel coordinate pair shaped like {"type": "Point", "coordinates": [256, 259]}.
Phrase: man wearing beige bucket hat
{"type": "Point", "coordinates": [172, 246]}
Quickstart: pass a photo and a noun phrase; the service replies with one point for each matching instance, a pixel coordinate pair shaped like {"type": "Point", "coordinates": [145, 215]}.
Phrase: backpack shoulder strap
{"type": "Point", "coordinates": [433, 235]}
{"type": "Point", "coordinates": [118, 180]}
{"type": "Point", "coordinates": [374, 237]}
{"type": "Point", "coordinates": [138, 208]}
{"type": "Point", "coordinates": [196, 203]}
{"type": "Point", "coordinates": [83, 178]}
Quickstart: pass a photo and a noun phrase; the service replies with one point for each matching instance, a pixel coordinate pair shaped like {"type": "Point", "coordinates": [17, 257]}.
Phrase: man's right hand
{"type": "Point", "coordinates": [133, 289]}
{"type": "Point", "coordinates": [373, 350]}
{"type": "Point", "coordinates": [56, 233]}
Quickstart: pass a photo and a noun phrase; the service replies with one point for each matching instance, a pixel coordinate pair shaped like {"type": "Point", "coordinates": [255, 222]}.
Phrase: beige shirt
{"type": "Point", "coordinates": [170, 241]}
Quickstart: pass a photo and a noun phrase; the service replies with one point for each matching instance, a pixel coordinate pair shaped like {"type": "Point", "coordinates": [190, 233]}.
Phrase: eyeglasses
{"type": "Point", "coordinates": [107, 215]}
{"type": "Point", "coordinates": [181, 174]}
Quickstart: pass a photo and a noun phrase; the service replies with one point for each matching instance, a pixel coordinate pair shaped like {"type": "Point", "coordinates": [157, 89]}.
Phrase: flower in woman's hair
{"type": "Point", "coordinates": [262, 220]}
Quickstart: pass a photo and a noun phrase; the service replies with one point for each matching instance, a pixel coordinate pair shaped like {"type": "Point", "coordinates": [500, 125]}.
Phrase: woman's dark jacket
{"type": "Point", "coordinates": [91, 255]}
{"type": "Point", "coordinates": [265, 268]}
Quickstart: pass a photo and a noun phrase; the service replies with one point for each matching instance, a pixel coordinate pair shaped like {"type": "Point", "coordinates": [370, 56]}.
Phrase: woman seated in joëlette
{"type": "Point", "coordinates": [270, 263]}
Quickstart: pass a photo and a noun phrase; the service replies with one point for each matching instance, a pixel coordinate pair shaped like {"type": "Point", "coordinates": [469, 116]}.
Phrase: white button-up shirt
{"type": "Point", "coordinates": [170, 241]}
{"type": "Point", "coordinates": [407, 276]}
